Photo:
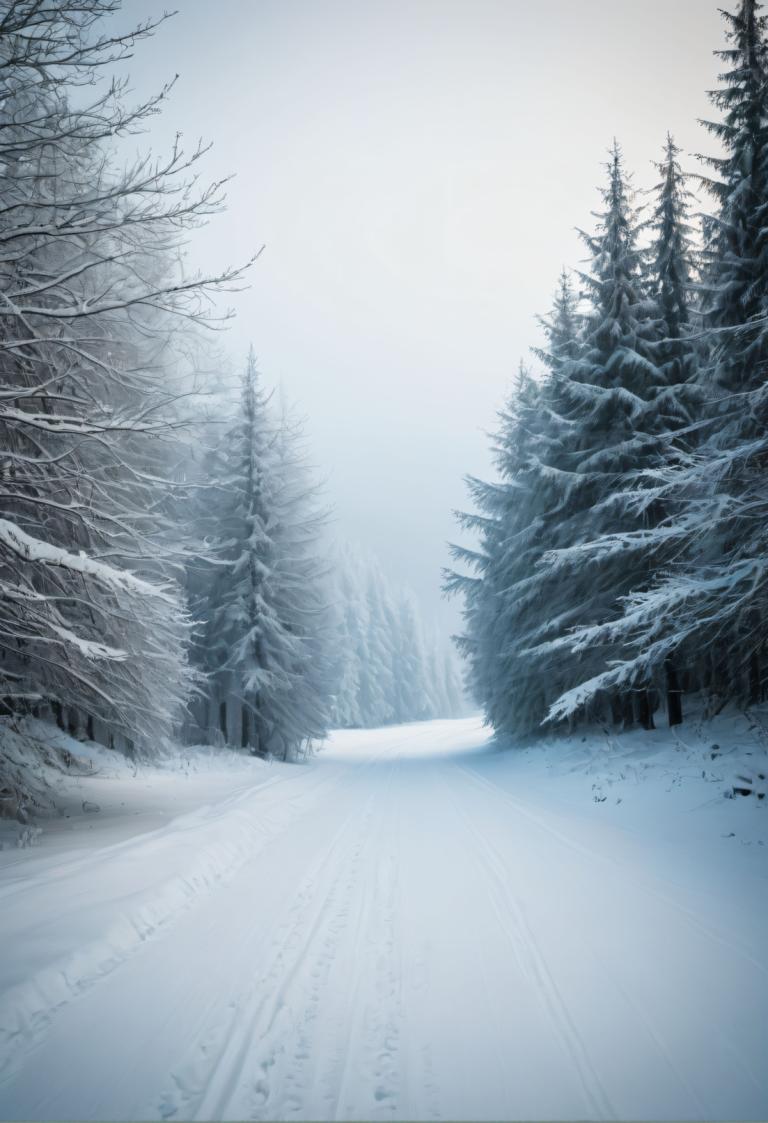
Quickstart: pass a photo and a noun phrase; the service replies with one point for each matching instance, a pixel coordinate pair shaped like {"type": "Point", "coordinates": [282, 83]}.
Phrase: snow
{"type": "Point", "coordinates": [33, 549]}
{"type": "Point", "coordinates": [411, 925]}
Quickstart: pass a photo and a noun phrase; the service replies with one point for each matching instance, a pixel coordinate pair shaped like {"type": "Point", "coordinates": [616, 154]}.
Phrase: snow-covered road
{"type": "Point", "coordinates": [411, 926]}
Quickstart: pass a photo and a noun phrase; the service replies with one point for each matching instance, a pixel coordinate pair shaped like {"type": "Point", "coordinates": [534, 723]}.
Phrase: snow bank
{"type": "Point", "coordinates": [153, 875]}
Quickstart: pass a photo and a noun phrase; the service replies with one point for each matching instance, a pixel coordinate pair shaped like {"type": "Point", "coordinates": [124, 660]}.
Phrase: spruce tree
{"type": "Point", "coordinates": [267, 642]}
{"type": "Point", "coordinates": [496, 568]}
{"type": "Point", "coordinates": [713, 599]}
{"type": "Point", "coordinates": [641, 497]}
{"type": "Point", "coordinates": [621, 412]}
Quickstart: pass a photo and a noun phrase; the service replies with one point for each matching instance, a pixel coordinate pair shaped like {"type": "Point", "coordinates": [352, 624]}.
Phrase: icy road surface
{"type": "Point", "coordinates": [410, 926]}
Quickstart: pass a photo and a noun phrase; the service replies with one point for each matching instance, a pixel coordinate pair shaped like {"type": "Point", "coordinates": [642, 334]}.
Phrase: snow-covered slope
{"type": "Point", "coordinates": [412, 925]}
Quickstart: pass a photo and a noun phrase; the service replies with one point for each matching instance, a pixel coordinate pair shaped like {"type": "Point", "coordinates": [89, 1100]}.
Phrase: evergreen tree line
{"type": "Point", "coordinates": [161, 563]}
{"type": "Point", "coordinates": [389, 669]}
{"type": "Point", "coordinates": [292, 637]}
{"type": "Point", "coordinates": [263, 642]}
{"type": "Point", "coordinates": [621, 557]}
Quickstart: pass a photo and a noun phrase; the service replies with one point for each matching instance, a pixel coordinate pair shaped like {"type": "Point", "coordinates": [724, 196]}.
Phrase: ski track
{"type": "Point", "coordinates": [374, 936]}
{"type": "Point", "coordinates": [258, 1037]}
{"type": "Point", "coordinates": [28, 1010]}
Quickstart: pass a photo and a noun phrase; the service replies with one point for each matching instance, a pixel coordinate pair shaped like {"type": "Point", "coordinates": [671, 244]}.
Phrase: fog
{"type": "Point", "coordinates": [415, 170]}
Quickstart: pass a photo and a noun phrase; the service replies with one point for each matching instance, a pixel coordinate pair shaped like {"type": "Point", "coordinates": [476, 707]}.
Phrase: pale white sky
{"type": "Point", "coordinates": [416, 169]}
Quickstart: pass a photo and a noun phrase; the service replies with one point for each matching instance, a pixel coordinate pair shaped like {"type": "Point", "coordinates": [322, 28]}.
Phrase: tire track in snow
{"type": "Point", "coordinates": [513, 921]}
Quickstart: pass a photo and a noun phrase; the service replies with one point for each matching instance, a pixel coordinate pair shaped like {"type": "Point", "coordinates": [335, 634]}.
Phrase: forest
{"type": "Point", "coordinates": [164, 553]}
{"type": "Point", "coordinates": [621, 556]}
{"type": "Point", "coordinates": [163, 548]}
{"type": "Point", "coordinates": [166, 572]}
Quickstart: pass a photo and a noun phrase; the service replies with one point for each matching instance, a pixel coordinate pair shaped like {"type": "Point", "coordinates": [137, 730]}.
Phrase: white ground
{"type": "Point", "coordinates": [410, 926]}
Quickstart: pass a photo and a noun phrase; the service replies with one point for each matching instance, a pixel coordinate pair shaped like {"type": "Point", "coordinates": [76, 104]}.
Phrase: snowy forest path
{"type": "Point", "coordinates": [407, 927]}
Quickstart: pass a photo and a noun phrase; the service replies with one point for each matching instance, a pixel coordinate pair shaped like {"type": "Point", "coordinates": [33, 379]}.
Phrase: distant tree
{"type": "Point", "coordinates": [497, 569]}
{"type": "Point", "coordinates": [411, 694]}
{"type": "Point", "coordinates": [388, 673]}
{"type": "Point", "coordinates": [267, 645]}
{"type": "Point", "coordinates": [303, 714]}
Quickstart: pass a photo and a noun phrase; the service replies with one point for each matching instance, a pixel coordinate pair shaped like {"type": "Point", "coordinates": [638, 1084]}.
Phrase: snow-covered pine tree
{"type": "Point", "coordinates": [498, 565]}
{"type": "Point", "coordinates": [640, 494]}
{"type": "Point", "coordinates": [266, 642]}
{"type": "Point", "coordinates": [411, 694]}
{"type": "Point", "coordinates": [351, 633]}
{"type": "Point", "coordinates": [247, 647]}
{"type": "Point", "coordinates": [442, 679]}
{"type": "Point", "coordinates": [674, 264]}
{"type": "Point", "coordinates": [302, 595]}
{"type": "Point", "coordinates": [387, 673]}
{"type": "Point", "coordinates": [377, 680]}
{"type": "Point", "coordinates": [244, 639]}
{"type": "Point", "coordinates": [620, 416]}
{"type": "Point", "coordinates": [601, 422]}
{"type": "Point", "coordinates": [714, 599]}
{"type": "Point", "coordinates": [451, 688]}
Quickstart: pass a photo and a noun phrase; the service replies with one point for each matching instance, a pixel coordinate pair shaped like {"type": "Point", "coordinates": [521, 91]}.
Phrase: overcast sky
{"type": "Point", "coordinates": [415, 169]}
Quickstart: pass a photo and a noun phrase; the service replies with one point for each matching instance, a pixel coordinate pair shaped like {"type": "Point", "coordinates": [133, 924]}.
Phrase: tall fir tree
{"type": "Point", "coordinates": [713, 599]}
{"type": "Point", "coordinates": [267, 644]}
{"type": "Point", "coordinates": [572, 529]}
{"type": "Point", "coordinates": [496, 569]}
{"type": "Point", "coordinates": [641, 497]}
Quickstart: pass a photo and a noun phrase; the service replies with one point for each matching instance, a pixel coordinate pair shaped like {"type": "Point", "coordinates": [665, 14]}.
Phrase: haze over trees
{"type": "Point", "coordinates": [390, 669]}
{"type": "Point", "coordinates": [621, 553]}
{"type": "Point", "coordinates": [161, 565]}
{"type": "Point", "coordinates": [165, 570]}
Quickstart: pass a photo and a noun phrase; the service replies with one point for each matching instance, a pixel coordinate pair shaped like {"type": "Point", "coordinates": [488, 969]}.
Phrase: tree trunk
{"type": "Point", "coordinates": [755, 670]}
{"type": "Point", "coordinates": [616, 711]}
{"type": "Point", "coordinates": [223, 721]}
{"type": "Point", "coordinates": [245, 733]}
{"type": "Point", "coordinates": [89, 732]}
{"type": "Point", "coordinates": [627, 711]}
{"type": "Point", "coordinates": [645, 710]}
{"type": "Point", "coordinates": [674, 695]}
{"type": "Point", "coordinates": [58, 715]}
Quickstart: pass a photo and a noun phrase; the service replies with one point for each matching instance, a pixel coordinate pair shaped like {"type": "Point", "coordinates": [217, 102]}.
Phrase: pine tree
{"type": "Point", "coordinates": [568, 536]}
{"type": "Point", "coordinates": [714, 598]}
{"type": "Point", "coordinates": [351, 630]}
{"type": "Point", "coordinates": [621, 413]}
{"type": "Point", "coordinates": [411, 695]}
{"type": "Point", "coordinates": [386, 672]}
{"type": "Point", "coordinates": [648, 549]}
{"type": "Point", "coordinates": [495, 597]}
{"type": "Point", "coordinates": [246, 641]}
{"type": "Point", "coordinates": [267, 645]}
{"type": "Point", "coordinates": [302, 600]}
